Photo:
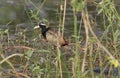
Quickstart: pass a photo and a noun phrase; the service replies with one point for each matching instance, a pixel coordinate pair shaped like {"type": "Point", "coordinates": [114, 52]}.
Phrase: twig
{"type": "Point", "coordinates": [10, 57]}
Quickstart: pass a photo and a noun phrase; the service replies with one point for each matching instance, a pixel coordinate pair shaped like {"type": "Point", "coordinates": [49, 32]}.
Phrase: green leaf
{"type": "Point", "coordinates": [43, 51]}
{"type": "Point", "coordinates": [29, 54]}
{"type": "Point", "coordinates": [77, 5]}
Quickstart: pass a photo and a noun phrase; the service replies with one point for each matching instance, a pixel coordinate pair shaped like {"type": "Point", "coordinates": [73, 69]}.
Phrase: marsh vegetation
{"type": "Point", "coordinates": [91, 28]}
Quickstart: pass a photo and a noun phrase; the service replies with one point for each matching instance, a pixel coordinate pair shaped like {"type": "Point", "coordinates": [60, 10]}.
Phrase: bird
{"type": "Point", "coordinates": [51, 36]}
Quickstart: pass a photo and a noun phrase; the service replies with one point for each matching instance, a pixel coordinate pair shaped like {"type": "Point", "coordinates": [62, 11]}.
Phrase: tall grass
{"type": "Point", "coordinates": [46, 61]}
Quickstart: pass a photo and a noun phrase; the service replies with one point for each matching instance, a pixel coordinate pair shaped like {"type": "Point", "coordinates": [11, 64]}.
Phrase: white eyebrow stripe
{"type": "Point", "coordinates": [42, 24]}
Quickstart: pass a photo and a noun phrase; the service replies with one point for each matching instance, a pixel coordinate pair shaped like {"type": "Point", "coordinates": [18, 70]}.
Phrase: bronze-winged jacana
{"type": "Point", "coordinates": [51, 36]}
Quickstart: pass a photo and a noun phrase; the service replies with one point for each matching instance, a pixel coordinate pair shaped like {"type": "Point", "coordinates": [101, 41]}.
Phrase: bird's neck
{"type": "Point", "coordinates": [44, 30]}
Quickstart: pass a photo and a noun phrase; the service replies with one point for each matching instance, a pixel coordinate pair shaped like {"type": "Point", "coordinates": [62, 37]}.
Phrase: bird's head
{"type": "Point", "coordinates": [40, 25]}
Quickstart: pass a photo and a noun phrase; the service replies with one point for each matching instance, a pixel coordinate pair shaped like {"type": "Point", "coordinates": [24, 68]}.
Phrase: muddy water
{"type": "Point", "coordinates": [17, 13]}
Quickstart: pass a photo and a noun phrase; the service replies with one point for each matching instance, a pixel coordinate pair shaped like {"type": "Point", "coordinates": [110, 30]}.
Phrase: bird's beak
{"type": "Point", "coordinates": [36, 27]}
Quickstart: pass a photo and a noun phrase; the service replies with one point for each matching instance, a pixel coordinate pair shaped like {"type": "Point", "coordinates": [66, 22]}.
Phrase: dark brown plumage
{"type": "Point", "coordinates": [51, 36]}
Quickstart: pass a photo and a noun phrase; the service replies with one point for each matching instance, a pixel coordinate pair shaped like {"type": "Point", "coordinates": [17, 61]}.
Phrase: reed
{"type": "Point", "coordinates": [83, 54]}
